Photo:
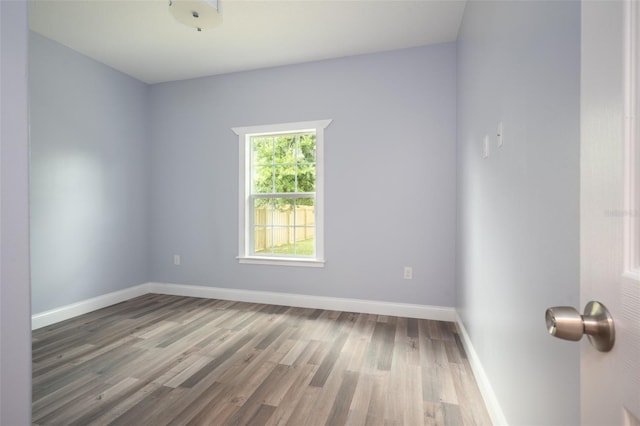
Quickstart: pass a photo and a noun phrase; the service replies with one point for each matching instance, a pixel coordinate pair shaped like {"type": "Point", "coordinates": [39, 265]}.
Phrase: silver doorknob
{"type": "Point", "coordinates": [564, 322]}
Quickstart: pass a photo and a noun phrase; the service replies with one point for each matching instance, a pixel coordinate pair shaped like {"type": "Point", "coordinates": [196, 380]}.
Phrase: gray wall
{"type": "Point", "coordinates": [390, 174]}
{"type": "Point", "coordinates": [15, 321]}
{"type": "Point", "coordinates": [89, 177]}
{"type": "Point", "coordinates": [518, 253]}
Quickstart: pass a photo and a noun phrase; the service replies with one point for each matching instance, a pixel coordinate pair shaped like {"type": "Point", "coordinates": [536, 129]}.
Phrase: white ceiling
{"type": "Point", "coordinates": [142, 39]}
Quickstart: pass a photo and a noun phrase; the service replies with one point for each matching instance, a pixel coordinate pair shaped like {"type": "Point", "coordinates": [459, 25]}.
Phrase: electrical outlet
{"type": "Point", "coordinates": [177, 260]}
{"type": "Point", "coordinates": [408, 273]}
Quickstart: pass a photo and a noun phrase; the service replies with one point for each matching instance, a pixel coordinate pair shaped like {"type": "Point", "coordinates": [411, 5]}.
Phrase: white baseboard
{"type": "Point", "coordinates": [490, 399]}
{"type": "Point", "coordinates": [62, 313]}
{"type": "Point", "coordinates": [305, 301]}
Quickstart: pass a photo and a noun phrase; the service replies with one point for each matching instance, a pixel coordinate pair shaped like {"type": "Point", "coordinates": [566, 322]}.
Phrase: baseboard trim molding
{"type": "Point", "coordinates": [305, 301]}
{"type": "Point", "coordinates": [62, 313]}
{"type": "Point", "coordinates": [489, 396]}
{"type": "Point", "coordinates": [66, 312]}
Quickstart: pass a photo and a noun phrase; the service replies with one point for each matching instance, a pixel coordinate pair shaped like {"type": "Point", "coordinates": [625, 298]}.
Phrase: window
{"type": "Point", "coordinates": [281, 194]}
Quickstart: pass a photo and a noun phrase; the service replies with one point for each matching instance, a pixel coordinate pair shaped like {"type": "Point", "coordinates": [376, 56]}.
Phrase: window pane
{"type": "Point", "coordinates": [262, 179]}
{"type": "Point", "coordinates": [307, 148]}
{"type": "Point", "coordinates": [305, 242]}
{"type": "Point", "coordinates": [262, 240]}
{"type": "Point", "coordinates": [283, 237]}
{"type": "Point", "coordinates": [305, 213]}
{"type": "Point", "coordinates": [262, 147]}
{"type": "Point", "coordinates": [283, 211]}
{"type": "Point", "coordinates": [306, 178]}
{"type": "Point", "coordinates": [263, 224]}
{"type": "Point", "coordinates": [285, 178]}
{"type": "Point", "coordinates": [284, 149]}
{"type": "Point", "coordinates": [262, 212]}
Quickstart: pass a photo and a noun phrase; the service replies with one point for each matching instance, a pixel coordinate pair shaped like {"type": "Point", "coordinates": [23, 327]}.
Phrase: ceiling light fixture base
{"type": "Point", "coordinates": [198, 14]}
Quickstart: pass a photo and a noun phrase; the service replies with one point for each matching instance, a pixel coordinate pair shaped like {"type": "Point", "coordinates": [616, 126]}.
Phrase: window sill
{"type": "Point", "coordinates": [281, 261]}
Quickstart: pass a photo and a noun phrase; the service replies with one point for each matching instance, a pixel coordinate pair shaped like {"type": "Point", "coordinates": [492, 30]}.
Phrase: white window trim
{"type": "Point", "coordinates": [244, 138]}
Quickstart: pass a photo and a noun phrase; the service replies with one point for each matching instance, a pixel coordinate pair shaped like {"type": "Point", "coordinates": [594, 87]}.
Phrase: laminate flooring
{"type": "Point", "coordinates": [159, 360]}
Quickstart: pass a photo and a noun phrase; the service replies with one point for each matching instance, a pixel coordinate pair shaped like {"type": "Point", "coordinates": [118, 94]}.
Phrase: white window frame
{"type": "Point", "coordinates": [244, 208]}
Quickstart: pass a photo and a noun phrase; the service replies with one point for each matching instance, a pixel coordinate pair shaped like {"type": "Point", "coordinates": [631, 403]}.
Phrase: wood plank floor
{"type": "Point", "coordinates": [159, 359]}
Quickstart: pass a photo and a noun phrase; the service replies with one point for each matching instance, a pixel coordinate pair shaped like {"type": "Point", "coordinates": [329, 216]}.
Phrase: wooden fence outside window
{"type": "Point", "coordinates": [276, 227]}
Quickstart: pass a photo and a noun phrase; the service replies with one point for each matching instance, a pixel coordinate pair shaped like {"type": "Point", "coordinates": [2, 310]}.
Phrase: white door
{"type": "Point", "coordinates": [609, 206]}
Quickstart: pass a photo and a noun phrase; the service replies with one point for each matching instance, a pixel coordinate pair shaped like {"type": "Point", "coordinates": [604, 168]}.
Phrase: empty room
{"type": "Point", "coordinates": [287, 212]}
